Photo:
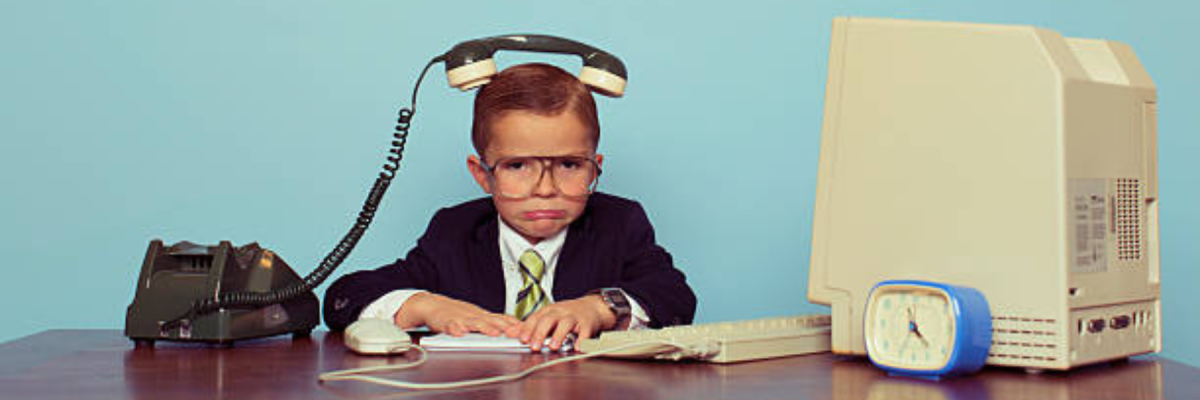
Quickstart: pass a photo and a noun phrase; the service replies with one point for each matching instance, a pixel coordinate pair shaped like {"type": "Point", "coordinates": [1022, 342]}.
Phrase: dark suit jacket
{"type": "Point", "coordinates": [610, 245]}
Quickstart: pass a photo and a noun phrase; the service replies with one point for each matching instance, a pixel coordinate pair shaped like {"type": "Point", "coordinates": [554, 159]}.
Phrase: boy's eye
{"type": "Point", "coordinates": [513, 165]}
{"type": "Point", "coordinates": [570, 164]}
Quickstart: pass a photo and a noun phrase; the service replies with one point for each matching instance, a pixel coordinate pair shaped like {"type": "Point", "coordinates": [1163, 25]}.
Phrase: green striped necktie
{"type": "Point", "coordinates": [530, 297]}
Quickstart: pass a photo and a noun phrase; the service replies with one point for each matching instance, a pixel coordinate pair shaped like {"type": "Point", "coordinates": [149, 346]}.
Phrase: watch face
{"type": "Point", "coordinates": [615, 299]}
{"type": "Point", "coordinates": [910, 327]}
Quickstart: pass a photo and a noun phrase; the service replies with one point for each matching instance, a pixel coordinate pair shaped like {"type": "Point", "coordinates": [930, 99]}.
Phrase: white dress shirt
{"type": "Point", "coordinates": [512, 245]}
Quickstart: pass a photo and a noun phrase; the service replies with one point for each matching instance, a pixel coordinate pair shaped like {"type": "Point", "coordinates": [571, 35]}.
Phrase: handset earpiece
{"type": "Point", "coordinates": [469, 64]}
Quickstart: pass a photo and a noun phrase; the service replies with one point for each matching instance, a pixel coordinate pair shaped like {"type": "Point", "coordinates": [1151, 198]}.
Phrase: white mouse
{"type": "Point", "coordinates": [376, 336]}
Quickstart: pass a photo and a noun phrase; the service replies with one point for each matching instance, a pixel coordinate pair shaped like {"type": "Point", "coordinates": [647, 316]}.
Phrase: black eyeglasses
{"type": "Point", "coordinates": [519, 177]}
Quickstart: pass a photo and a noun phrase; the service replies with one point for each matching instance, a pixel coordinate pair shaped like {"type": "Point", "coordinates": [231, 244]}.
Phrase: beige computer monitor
{"type": "Point", "coordinates": [1010, 159]}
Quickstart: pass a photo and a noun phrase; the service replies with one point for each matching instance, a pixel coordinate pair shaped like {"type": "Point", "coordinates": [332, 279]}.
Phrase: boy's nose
{"type": "Point", "coordinates": [545, 186]}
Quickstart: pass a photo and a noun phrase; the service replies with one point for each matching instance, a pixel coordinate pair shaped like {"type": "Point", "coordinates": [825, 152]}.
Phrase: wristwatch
{"type": "Point", "coordinates": [618, 303]}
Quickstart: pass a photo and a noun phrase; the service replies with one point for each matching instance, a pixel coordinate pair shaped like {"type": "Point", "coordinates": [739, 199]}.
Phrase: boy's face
{"type": "Point", "coordinates": [546, 211]}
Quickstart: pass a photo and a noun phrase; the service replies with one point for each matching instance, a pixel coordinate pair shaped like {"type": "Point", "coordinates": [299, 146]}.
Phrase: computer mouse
{"type": "Point", "coordinates": [376, 336]}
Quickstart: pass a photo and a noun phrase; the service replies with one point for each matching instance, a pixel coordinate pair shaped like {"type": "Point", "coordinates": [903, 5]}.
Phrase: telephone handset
{"type": "Point", "coordinates": [469, 64]}
{"type": "Point", "coordinates": [223, 293]}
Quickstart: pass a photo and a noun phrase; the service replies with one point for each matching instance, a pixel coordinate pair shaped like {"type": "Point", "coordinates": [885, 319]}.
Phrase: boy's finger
{"type": "Point", "coordinates": [513, 331]}
{"type": "Point", "coordinates": [565, 326]}
{"type": "Point", "coordinates": [511, 320]}
{"type": "Point", "coordinates": [457, 329]}
{"type": "Point", "coordinates": [528, 326]}
{"type": "Point", "coordinates": [502, 321]}
{"type": "Point", "coordinates": [497, 326]}
{"type": "Point", "coordinates": [484, 327]}
{"type": "Point", "coordinates": [539, 334]}
{"type": "Point", "coordinates": [584, 330]}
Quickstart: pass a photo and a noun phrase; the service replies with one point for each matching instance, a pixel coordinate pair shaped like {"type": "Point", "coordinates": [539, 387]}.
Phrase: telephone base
{"type": "Point", "coordinates": [227, 326]}
{"type": "Point", "coordinates": [173, 277]}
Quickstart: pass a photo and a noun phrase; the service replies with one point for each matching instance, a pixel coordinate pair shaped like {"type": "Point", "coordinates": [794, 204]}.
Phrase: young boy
{"type": "Point", "coordinates": [546, 255]}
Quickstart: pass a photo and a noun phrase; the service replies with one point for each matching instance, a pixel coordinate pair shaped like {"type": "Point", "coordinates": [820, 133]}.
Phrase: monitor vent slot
{"type": "Point", "coordinates": [1024, 341]}
{"type": "Point", "coordinates": [1127, 217]}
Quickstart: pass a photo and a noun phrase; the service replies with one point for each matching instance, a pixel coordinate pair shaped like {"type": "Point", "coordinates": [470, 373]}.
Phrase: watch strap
{"type": "Point", "coordinates": [618, 303]}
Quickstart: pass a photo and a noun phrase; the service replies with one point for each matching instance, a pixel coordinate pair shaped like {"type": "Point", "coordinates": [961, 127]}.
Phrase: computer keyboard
{"type": "Point", "coordinates": [720, 342]}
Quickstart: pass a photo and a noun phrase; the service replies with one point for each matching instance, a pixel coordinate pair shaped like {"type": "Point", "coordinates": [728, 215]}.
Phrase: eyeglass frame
{"type": "Point", "coordinates": [543, 161]}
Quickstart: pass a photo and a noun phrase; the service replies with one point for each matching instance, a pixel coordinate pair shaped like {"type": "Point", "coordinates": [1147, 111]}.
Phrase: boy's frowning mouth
{"type": "Point", "coordinates": [544, 214]}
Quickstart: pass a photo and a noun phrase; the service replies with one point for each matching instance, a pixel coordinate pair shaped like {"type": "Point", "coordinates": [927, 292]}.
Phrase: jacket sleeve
{"type": "Point", "coordinates": [649, 276]}
{"type": "Point", "coordinates": [349, 295]}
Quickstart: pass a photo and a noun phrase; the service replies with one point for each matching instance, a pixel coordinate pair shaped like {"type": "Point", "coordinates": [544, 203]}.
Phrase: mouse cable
{"type": "Point", "coordinates": [357, 374]}
{"type": "Point", "coordinates": [340, 374]}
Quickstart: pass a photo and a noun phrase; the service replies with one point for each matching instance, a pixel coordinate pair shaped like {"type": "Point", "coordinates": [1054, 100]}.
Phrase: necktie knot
{"type": "Point", "coordinates": [532, 264]}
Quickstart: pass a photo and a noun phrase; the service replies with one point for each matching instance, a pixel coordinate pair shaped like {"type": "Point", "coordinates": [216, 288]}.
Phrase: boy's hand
{"type": "Point", "coordinates": [584, 316]}
{"type": "Point", "coordinates": [446, 315]}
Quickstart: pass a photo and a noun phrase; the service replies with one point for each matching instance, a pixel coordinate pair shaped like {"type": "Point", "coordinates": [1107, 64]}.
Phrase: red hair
{"type": "Point", "coordinates": [537, 88]}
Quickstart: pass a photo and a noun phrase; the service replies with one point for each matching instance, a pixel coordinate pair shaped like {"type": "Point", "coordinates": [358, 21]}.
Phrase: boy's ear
{"type": "Point", "coordinates": [475, 165]}
{"type": "Point", "coordinates": [600, 160]}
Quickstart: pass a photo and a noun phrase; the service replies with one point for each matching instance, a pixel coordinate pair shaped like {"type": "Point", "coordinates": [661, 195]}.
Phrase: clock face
{"type": "Point", "coordinates": [910, 327]}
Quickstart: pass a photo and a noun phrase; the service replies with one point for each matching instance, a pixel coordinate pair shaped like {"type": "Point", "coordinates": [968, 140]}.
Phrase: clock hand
{"type": "Point", "coordinates": [919, 335]}
{"type": "Point", "coordinates": [912, 326]}
{"type": "Point", "coordinates": [912, 323]}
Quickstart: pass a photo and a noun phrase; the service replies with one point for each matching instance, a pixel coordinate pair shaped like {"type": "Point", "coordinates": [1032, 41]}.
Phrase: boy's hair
{"type": "Point", "coordinates": [537, 88]}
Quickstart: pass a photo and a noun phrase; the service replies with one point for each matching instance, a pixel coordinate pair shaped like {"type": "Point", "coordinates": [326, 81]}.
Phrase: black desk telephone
{"type": "Point", "coordinates": [223, 293]}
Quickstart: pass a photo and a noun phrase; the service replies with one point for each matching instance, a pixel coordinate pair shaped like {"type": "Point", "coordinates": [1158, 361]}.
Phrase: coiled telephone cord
{"type": "Point", "coordinates": [343, 248]}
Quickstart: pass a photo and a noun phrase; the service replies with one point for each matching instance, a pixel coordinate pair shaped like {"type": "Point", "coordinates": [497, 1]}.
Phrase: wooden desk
{"type": "Point", "coordinates": [103, 364]}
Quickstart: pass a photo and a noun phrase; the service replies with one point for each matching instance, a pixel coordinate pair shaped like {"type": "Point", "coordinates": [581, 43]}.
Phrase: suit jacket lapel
{"type": "Point", "coordinates": [488, 273]}
{"type": "Point", "coordinates": [574, 264]}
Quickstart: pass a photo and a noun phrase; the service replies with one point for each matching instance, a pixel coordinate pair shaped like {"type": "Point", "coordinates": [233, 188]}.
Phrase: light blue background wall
{"type": "Point", "coordinates": [127, 121]}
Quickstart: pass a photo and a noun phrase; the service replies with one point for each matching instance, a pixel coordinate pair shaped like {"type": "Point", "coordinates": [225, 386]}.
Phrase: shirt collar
{"type": "Point", "coordinates": [512, 244]}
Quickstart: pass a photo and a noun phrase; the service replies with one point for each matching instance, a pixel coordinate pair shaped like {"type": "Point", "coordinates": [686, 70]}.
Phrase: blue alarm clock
{"type": "Point", "coordinates": [927, 329]}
